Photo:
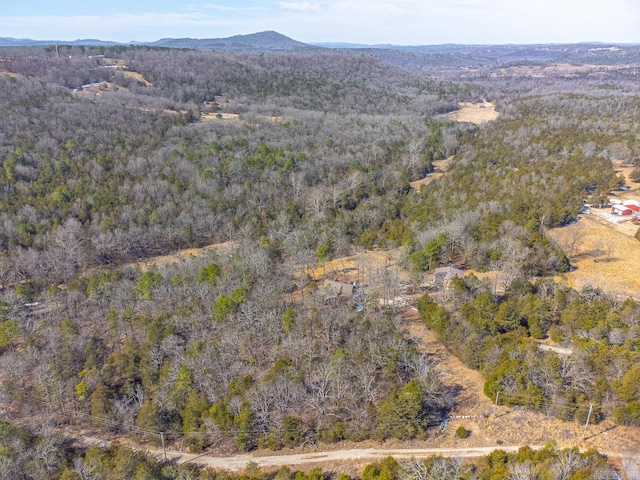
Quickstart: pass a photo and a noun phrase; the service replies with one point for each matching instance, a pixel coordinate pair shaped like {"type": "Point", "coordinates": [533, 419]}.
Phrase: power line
{"type": "Point", "coordinates": [38, 402]}
{"type": "Point", "coordinates": [544, 401]}
{"type": "Point", "coordinates": [254, 429]}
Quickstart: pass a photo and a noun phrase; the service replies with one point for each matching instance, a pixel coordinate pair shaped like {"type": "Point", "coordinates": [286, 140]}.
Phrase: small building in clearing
{"type": "Point", "coordinates": [336, 291]}
{"type": "Point", "coordinates": [444, 275]}
{"type": "Point", "coordinates": [621, 210]}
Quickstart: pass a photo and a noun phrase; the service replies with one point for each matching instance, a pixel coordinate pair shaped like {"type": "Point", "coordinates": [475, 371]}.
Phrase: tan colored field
{"type": "Point", "coordinates": [183, 255]}
{"type": "Point", "coordinates": [137, 76]}
{"type": "Point", "coordinates": [213, 116]}
{"type": "Point", "coordinates": [8, 74]}
{"type": "Point", "coordinates": [602, 246]}
{"type": "Point", "coordinates": [210, 117]}
{"type": "Point", "coordinates": [440, 167]}
{"type": "Point", "coordinates": [477, 113]}
{"type": "Point", "coordinates": [604, 257]}
{"type": "Point", "coordinates": [363, 267]}
{"type": "Point", "coordinates": [474, 411]}
{"type": "Point", "coordinates": [113, 62]}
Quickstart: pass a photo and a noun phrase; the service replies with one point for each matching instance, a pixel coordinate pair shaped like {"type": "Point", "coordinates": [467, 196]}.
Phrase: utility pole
{"type": "Point", "coordinates": [586, 425]}
{"type": "Point", "coordinates": [163, 447]}
{"type": "Point", "coordinates": [495, 405]}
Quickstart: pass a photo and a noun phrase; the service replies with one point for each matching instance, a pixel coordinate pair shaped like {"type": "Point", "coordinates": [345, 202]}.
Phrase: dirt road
{"type": "Point", "coordinates": [365, 455]}
{"type": "Point", "coordinates": [351, 456]}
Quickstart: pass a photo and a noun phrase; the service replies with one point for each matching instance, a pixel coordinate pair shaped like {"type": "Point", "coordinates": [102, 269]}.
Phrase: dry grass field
{"type": "Point", "coordinates": [183, 255]}
{"type": "Point", "coordinates": [8, 74]}
{"type": "Point", "coordinates": [210, 117]}
{"type": "Point", "coordinates": [603, 256]}
{"type": "Point", "coordinates": [215, 116]}
{"type": "Point", "coordinates": [440, 167]}
{"type": "Point", "coordinates": [477, 113]}
{"type": "Point", "coordinates": [98, 89]}
{"type": "Point", "coordinates": [137, 76]}
{"type": "Point", "coordinates": [602, 247]}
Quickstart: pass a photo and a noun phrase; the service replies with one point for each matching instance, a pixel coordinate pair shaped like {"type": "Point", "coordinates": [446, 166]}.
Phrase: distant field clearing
{"type": "Point", "coordinates": [162, 261]}
{"type": "Point", "coordinates": [440, 167]}
{"type": "Point", "coordinates": [137, 76]}
{"type": "Point", "coordinates": [476, 113]}
{"type": "Point", "coordinates": [8, 74]}
{"type": "Point", "coordinates": [210, 117]}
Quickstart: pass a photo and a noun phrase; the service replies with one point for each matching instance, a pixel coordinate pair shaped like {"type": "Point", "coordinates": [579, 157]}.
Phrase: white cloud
{"type": "Point", "coordinates": [225, 8]}
{"type": "Point", "coordinates": [301, 6]}
{"type": "Point", "coordinates": [211, 6]}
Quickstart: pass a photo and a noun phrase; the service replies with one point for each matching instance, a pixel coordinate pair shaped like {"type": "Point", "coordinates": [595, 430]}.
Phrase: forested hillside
{"type": "Point", "coordinates": [227, 346]}
{"type": "Point", "coordinates": [296, 158]}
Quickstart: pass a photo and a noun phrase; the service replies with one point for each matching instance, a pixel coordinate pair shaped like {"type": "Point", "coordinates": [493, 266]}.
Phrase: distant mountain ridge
{"type": "Point", "coordinates": [271, 40]}
{"type": "Point", "coordinates": [411, 57]}
{"type": "Point", "coordinates": [261, 41]}
{"type": "Point", "coordinates": [27, 42]}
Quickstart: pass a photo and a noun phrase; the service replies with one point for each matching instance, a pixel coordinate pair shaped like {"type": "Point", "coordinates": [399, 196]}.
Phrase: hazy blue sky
{"type": "Point", "coordinates": [402, 22]}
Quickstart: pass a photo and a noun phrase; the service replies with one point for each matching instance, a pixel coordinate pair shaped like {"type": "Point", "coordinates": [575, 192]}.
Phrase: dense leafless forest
{"type": "Point", "coordinates": [113, 155]}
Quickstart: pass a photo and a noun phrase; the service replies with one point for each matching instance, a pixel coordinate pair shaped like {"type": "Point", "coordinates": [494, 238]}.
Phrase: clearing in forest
{"type": "Point", "coordinates": [213, 116]}
{"type": "Point", "coordinates": [210, 117]}
{"type": "Point", "coordinates": [602, 247]}
{"type": "Point", "coordinates": [138, 77]}
{"type": "Point", "coordinates": [439, 169]}
{"type": "Point", "coordinates": [603, 257]}
{"type": "Point", "coordinates": [97, 89]}
{"type": "Point", "coordinates": [183, 255]}
{"type": "Point", "coordinates": [477, 113]}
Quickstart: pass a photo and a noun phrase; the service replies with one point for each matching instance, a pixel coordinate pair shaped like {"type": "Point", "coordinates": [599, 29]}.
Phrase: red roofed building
{"type": "Point", "coordinates": [634, 205]}
{"type": "Point", "coordinates": [621, 210]}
